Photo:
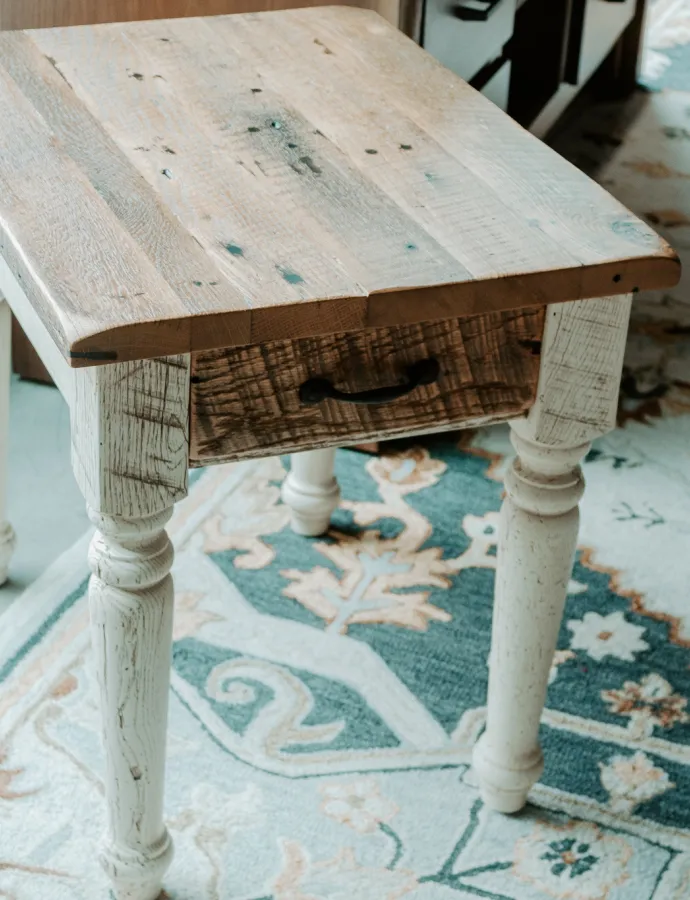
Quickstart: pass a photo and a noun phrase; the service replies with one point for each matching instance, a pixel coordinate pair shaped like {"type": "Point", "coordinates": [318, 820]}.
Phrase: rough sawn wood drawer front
{"type": "Point", "coordinates": [245, 400]}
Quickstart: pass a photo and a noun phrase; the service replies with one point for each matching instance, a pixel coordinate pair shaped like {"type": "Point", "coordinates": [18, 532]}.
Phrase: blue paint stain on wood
{"type": "Point", "coordinates": [290, 276]}
{"type": "Point", "coordinates": [234, 250]}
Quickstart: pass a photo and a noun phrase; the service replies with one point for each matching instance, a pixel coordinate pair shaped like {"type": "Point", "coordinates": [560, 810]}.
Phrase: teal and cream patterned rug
{"type": "Point", "coordinates": [326, 692]}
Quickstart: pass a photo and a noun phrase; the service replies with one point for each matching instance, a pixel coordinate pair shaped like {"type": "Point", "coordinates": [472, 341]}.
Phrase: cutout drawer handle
{"type": "Point", "coordinates": [426, 371]}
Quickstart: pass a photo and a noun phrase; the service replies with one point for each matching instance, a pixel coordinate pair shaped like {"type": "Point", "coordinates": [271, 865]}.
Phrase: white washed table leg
{"type": "Point", "coordinates": [130, 452]}
{"type": "Point", "coordinates": [311, 491]}
{"type": "Point", "coordinates": [7, 536]}
{"type": "Point", "coordinates": [537, 541]}
{"type": "Point", "coordinates": [582, 358]}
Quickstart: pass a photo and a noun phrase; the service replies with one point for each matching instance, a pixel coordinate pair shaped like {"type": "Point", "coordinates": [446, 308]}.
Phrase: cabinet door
{"type": "Point", "coordinates": [596, 26]}
{"type": "Point", "coordinates": [538, 53]}
{"type": "Point", "coordinates": [461, 43]}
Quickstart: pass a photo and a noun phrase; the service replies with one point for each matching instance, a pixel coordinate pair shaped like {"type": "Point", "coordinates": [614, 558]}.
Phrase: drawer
{"type": "Point", "coordinates": [466, 46]}
{"type": "Point", "coordinates": [603, 22]}
{"type": "Point", "coordinates": [250, 401]}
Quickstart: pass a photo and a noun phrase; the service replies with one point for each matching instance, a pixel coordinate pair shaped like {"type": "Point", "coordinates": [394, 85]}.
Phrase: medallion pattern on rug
{"type": "Point", "coordinates": [327, 692]}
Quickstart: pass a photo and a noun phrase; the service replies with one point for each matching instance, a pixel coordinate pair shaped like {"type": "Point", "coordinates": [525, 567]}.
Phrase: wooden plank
{"type": "Point", "coordinates": [173, 250]}
{"type": "Point", "coordinates": [70, 254]}
{"type": "Point", "coordinates": [426, 186]}
{"type": "Point", "coordinates": [245, 401]}
{"type": "Point", "coordinates": [300, 178]}
{"type": "Point", "coordinates": [260, 239]}
{"type": "Point", "coordinates": [173, 187]}
{"type": "Point", "coordinates": [547, 192]}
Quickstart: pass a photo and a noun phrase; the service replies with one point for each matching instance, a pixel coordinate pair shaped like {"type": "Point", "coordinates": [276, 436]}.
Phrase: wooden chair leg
{"type": "Point", "coordinates": [7, 536]}
{"type": "Point", "coordinates": [538, 535]}
{"type": "Point", "coordinates": [311, 491]}
{"type": "Point", "coordinates": [130, 454]}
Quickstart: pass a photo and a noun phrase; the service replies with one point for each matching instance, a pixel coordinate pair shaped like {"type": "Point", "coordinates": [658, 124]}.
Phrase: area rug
{"type": "Point", "coordinates": [326, 692]}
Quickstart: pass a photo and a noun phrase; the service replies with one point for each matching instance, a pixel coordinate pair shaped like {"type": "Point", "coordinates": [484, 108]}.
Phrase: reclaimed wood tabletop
{"type": "Point", "coordinates": [190, 184]}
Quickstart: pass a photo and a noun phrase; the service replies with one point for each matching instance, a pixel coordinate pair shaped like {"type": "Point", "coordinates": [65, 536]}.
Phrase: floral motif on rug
{"type": "Point", "coordinates": [326, 694]}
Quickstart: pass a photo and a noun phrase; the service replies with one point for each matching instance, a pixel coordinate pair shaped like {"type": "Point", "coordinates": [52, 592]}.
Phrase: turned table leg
{"type": "Point", "coordinates": [7, 537]}
{"type": "Point", "coordinates": [131, 603]}
{"type": "Point", "coordinates": [537, 540]}
{"type": "Point", "coordinates": [130, 452]}
{"type": "Point", "coordinates": [582, 357]}
{"type": "Point", "coordinates": [311, 491]}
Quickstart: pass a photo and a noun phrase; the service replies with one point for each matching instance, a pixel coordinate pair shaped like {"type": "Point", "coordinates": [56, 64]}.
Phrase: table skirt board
{"type": "Point", "coordinates": [245, 401]}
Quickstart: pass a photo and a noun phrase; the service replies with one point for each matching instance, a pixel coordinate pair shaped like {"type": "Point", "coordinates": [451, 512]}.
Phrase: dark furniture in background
{"type": "Point", "coordinates": [532, 57]}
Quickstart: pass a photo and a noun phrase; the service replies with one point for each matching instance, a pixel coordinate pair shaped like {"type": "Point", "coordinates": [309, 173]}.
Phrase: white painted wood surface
{"type": "Point", "coordinates": [582, 357]}
{"type": "Point", "coordinates": [130, 436]}
{"type": "Point", "coordinates": [131, 602]}
{"type": "Point", "coordinates": [7, 536]}
{"type": "Point", "coordinates": [311, 491]}
{"type": "Point", "coordinates": [537, 539]}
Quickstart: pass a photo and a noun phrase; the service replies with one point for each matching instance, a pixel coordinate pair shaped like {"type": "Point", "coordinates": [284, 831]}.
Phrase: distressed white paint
{"type": "Point", "coordinates": [131, 602]}
{"type": "Point", "coordinates": [130, 450]}
{"type": "Point", "coordinates": [7, 536]}
{"type": "Point", "coordinates": [581, 365]}
{"type": "Point", "coordinates": [311, 491]}
{"type": "Point", "coordinates": [537, 539]}
{"type": "Point", "coordinates": [130, 435]}
{"type": "Point", "coordinates": [582, 359]}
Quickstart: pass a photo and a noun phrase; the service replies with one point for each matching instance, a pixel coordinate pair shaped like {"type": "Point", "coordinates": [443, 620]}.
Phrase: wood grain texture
{"type": "Point", "coordinates": [245, 401]}
{"type": "Point", "coordinates": [175, 186]}
{"type": "Point", "coordinates": [579, 381]}
{"type": "Point", "coordinates": [130, 435]}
